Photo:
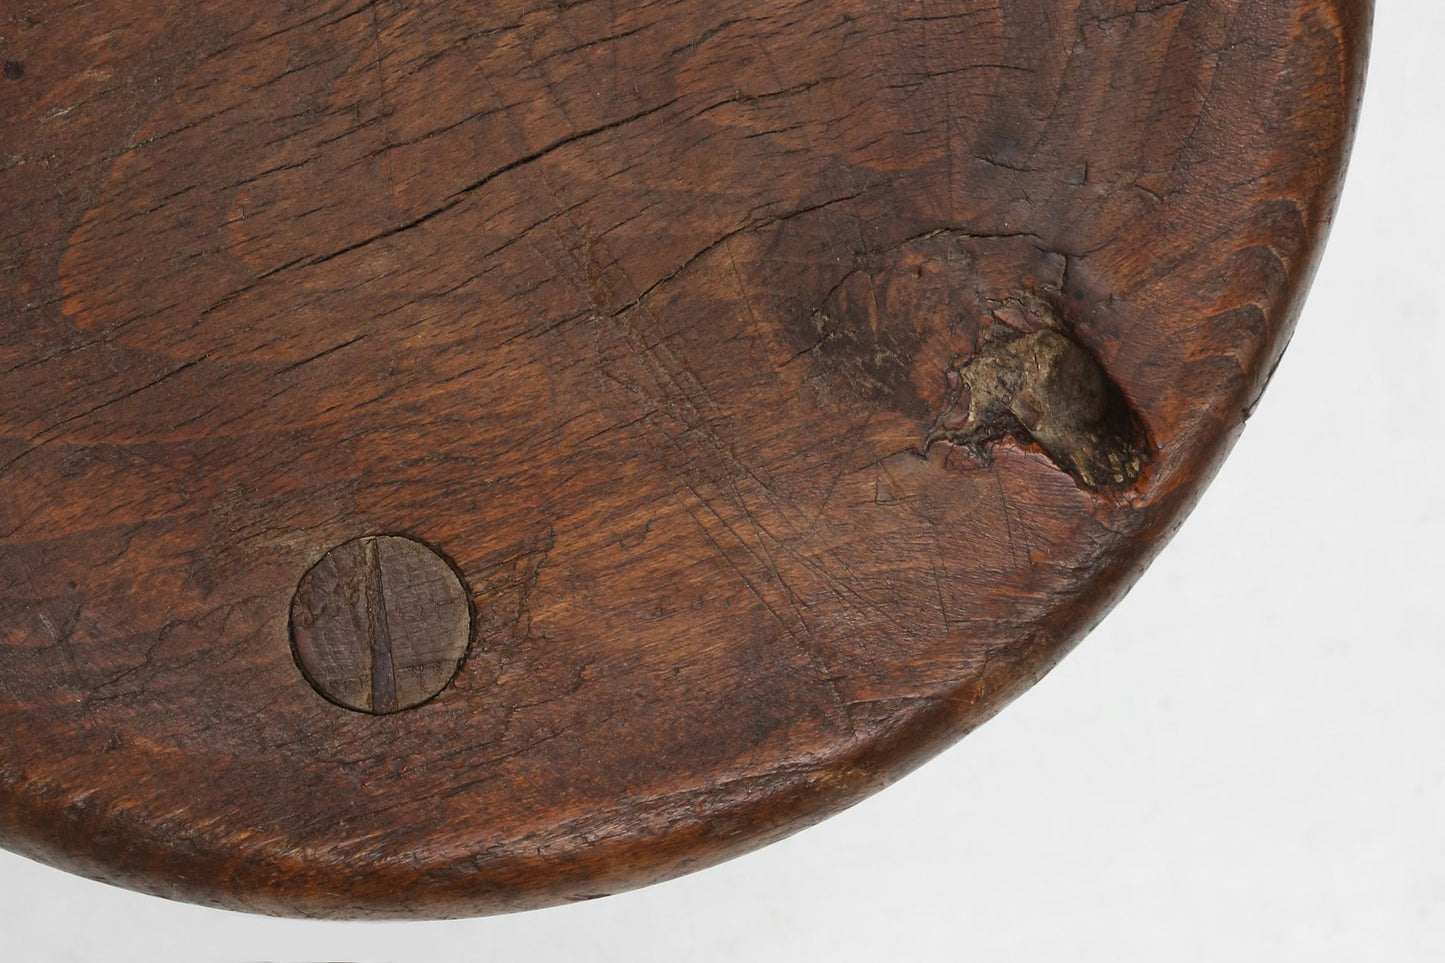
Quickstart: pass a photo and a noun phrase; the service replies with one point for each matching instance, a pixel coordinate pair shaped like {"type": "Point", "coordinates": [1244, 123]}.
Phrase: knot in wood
{"type": "Point", "coordinates": [380, 624]}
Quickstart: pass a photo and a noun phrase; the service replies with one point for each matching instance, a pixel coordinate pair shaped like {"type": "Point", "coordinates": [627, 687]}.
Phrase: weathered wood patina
{"type": "Point", "coordinates": [785, 386]}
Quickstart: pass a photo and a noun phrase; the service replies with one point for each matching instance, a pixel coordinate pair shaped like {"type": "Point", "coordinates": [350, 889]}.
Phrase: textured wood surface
{"type": "Point", "coordinates": [790, 383]}
{"type": "Point", "coordinates": [380, 624]}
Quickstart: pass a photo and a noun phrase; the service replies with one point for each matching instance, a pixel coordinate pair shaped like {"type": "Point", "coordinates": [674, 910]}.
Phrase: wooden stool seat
{"type": "Point", "coordinates": [461, 457]}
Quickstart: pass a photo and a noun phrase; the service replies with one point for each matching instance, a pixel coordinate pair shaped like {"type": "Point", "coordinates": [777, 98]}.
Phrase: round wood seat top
{"type": "Point", "coordinates": [457, 457]}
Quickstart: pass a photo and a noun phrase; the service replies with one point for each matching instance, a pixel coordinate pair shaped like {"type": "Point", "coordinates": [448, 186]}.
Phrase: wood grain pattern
{"type": "Point", "coordinates": [791, 383]}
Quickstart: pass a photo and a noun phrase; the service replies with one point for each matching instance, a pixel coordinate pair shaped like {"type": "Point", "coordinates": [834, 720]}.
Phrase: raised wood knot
{"type": "Point", "coordinates": [380, 624]}
{"type": "Point", "coordinates": [1046, 388]}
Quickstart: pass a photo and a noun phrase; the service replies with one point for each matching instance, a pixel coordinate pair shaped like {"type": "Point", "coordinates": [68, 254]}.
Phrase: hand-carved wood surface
{"type": "Point", "coordinates": [790, 384]}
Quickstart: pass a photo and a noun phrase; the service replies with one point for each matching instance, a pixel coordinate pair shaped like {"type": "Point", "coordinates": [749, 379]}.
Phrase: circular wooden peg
{"type": "Point", "coordinates": [380, 624]}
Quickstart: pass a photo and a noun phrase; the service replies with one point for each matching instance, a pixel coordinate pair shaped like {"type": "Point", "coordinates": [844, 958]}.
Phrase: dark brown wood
{"type": "Point", "coordinates": [790, 383]}
{"type": "Point", "coordinates": [380, 624]}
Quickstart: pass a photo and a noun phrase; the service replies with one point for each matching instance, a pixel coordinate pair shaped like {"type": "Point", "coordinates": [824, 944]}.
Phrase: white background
{"type": "Point", "coordinates": [1245, 762]}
